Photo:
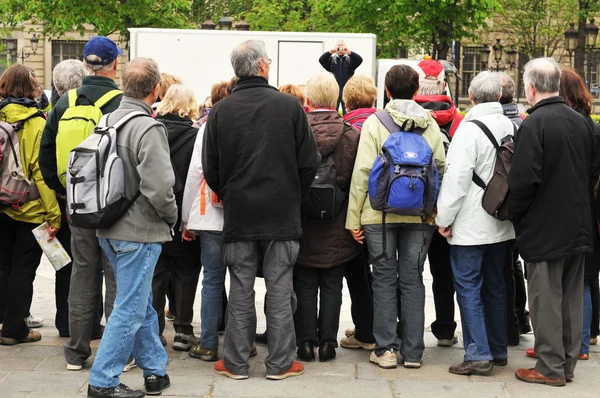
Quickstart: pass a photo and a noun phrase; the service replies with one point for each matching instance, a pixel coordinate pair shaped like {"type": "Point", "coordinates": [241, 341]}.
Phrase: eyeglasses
{"type": "Point", "coordinates": [267, 60]}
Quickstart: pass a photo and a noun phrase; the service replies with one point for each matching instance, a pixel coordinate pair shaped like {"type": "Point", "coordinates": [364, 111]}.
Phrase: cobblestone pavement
{"type": "Point", "coordinates": [38, 370]}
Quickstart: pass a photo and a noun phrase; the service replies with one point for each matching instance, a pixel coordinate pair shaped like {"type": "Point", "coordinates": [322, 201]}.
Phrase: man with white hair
{"type": "Point", "coordinates": [342, 63]}
{"type": "Point", "coordinates": [479, 243]}
{"type": "Point", "coordinates": [550, 182]}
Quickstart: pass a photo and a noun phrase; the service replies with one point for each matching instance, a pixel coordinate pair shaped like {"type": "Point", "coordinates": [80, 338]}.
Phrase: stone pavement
{"type": "Point", "coordinates": [38, 370]}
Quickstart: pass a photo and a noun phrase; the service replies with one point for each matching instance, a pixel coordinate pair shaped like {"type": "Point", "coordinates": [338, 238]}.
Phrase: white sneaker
{"type": "Point", "coordinates": [386, 361]}
{"type": "Point", "coordinates": [353, 343]}
{"type": "Point", "coordinates": [74, 367]}
{"type": "Point", "coordinates": [412, 365]}
{"type": "Point", "coordinates": [33, 323]}
{"type": "Point", "coordinates": [130, 366]}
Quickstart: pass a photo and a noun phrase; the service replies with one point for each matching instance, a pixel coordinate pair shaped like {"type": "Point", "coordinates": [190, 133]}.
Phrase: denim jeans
{"type": "Point", "coordinates": [481, 296]}
{"type": "Point", "coordinates": [398, 278]}
{"type": "Point", "coordinates": [133, 324]}
{"type": "Point", "coordinates": [211, 254]}
{"type": "Point", "coordinates": [587, 318]}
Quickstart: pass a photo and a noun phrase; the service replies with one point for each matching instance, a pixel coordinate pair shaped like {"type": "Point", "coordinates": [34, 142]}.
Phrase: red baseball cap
{"type": "Point", "coordinates": [432, 69]}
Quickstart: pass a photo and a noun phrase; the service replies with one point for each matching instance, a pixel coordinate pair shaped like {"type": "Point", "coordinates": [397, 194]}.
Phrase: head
{"type": "Point", "coordinates": [322, 91]}
{"type": "Point", "coordinates": [401, 82]}
{"type": "Point", "coordinates": [166, 81]}
{"type": "Point", "coordinates": [485, 87]}
{"type": "Point", "coordinates": [101, 56]}
{"type": "Point", "coordinates": [68, 75]}
{"type": "Point", "coordinates": [141, 80]}
{"type": "Point", "coordinates": [340, 47]}
{"type": "Point", "coordinates": [508, 88]}
{"type": "Point", "coordinates": [17, 82]}
{"type": "Point", "coordinates": [432, 82]}
{"type": "Point", "coordinates": [232, 83]}
{"type": "Point", "coordinates": [250, 59]}
{"type": "Point", "coordinates": [359, 92]}
{"type": "Point", "coordinates": [574, 91]}
{"type": "Point", "coordinates": [218, 92]}
{"type": "Point", "coordinates": [180, 100]}
{"type": "Point", "coordinates": [542, 79]}
{"type": "Point", "coordinates": [296, 91]}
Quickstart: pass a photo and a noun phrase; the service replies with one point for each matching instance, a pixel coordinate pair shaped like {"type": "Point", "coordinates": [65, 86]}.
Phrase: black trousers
{"type": "Point", "coordinates": [595, 290]}
{"type": "Point", "coordinates": [20, 257]}
{"type": "Point", "coordinates": [520, 289]}
{"type": "Point", "coordinates": [360, 281]}
{"type": "Point", "coordinates": [326, 283]}
{"type": "Point", "coordinates": [443, 287]}
{"type": "Point", "coordinates": [516, 294]}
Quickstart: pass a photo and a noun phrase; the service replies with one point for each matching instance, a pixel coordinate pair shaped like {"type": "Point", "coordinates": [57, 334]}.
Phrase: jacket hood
{"type": "Point", "coordinates": [487, 108]}
{"type": "Point", "coordinates": [16, 109]}
{"type": "Point", "coordinates": [327, 127]}
{"type": "Point", "coordinates": [510, 110]}
{"type": "Point", "coordinates": [361, 111]}
{"type": "Point", "coordinates": [179, 131]}
{"type": "Point", "coordinates": [441, 107]}
{"type": "Point", "coordinates": [403, 110]}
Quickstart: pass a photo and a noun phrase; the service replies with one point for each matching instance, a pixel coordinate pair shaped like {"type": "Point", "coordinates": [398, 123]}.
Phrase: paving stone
{"type": "Point", "coordinates": [448, 389]}
{"type": "Point", "coordinates": [6, 351]}
{"type": "Point", "coordinates": [19, 364]}
{"type": "Point", "coordinates": [42, 383]}
{"type": "Point", "coordinates": [41, 351]}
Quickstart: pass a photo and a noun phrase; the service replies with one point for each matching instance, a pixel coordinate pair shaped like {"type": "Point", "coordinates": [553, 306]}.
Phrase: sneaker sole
{"type": "Point", "coordinates": [285, 375]}
{"type": "Point", "coordinates": [412, 365]}
{"type": "Point", "coordinates": [182, 347]}
{"type": "Point", "coordinates": [154, 393]}
{"type": "Point", "coordinates": [74, 368]}
{"type": "Point", "coordinates": [448, 343]}
{"type": "Point", "coordinates": [384, 366]}
{"type": "Point", "coordinates": [128, 367]}
{"type": "Point", "coordinates": [358, 347]}
{"type": "Point", "coordinates": [230, 375]}
{"type": "Point", "coordinates": [205, 358]}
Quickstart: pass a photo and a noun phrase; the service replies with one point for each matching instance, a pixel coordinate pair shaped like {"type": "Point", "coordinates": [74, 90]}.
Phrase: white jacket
{"type": "Point", "coordinates": [459, 201]}
{"type": "Point", "coordinates": [191, 217]}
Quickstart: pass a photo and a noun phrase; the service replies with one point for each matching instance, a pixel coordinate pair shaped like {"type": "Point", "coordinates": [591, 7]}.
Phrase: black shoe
{"type": "Point", "coordinates": [306, 352]}
{"type": "Point", "coordinates": [500, 362]}
{"type": "Point", "coordinates": [163, 340]}
{"type": "Point", "coordinates": [155, 384]}
{"type": "Point", "coordinates": [514, 340]}
{"type": "Point", "coordinates": [524, 327]}
{"type": "Point", "coordinates": [261, 338]}
{"type": "Point", "coordinates": [120, 391]}
{"type": "Point", "coordinates": [326, 352]}
{"type": "Point", "coordinates": [471, 367]}
{"type": "Point", "coordinates": [97, 334]}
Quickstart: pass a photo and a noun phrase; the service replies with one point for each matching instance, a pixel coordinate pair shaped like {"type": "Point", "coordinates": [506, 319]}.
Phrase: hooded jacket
{"type": "Point", "coordinates": [45, 208]}
{"type": "Point", "coordinates": [358, 116]}
{"type": "Point", "coordinates": [443, 111]}
{"type": "Point", "coordinates": [511, 111]}
{"type": "Point", "coordinates": [373, 136]}
{"type": "Point", "coordinates": [326, 243]}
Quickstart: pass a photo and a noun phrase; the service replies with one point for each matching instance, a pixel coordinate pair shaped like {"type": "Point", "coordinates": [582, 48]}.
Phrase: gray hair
{"type": "Point", "coordinates": [431, 87]}
{"type": "Point", "coordinates": [485, 87]}
{"type": "Point", "coordinates": [508, 88]}
{"type": "Point", "coordinates": [140, 77]}
{"type": "Point", "coordinates": [68, 75]}
{"type": "Point", "coordinates": [97, 68]}
{"type": "Point", "coordinates": [543, 74]}
{"type": "Point", "coordinates": [246, 56]}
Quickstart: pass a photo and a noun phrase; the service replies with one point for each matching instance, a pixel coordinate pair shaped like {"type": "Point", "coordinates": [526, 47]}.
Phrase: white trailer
{"type": "Point", "coordinates": [202, 57]}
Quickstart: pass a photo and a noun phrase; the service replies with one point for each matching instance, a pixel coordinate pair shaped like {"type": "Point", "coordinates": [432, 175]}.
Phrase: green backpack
{"type": "Point", "coordinates": [76, 124]}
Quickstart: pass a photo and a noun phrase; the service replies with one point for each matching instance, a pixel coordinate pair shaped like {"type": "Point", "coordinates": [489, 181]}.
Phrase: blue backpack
{"type": "Point", "coordinates": [404, 179]}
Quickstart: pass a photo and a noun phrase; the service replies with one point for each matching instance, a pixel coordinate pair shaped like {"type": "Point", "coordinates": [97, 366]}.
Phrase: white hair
{"type": "Point", "coordinates": [485, 87]}
{"type": "Point", "coordinates": [543, 74]}
{"type": "Point", "coordinates": [97, 68]}
{"type": "Point", "coordinates": [68, 75]}
{"type": "Point", "coordinates": [246, 56]}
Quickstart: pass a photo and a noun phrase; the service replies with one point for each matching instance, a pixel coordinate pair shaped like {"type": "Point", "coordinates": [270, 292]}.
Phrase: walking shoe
{"type": "Point", "coordinates": [295, 370]}
{"type": "Point", "coordinates": [326, 352]}
{"type": "Point", "coordinates": [204, 354]}
{"type": "Point", "coordinates": [471, 367]}
{"type": "Point", "coordinates": [33, 323]}
{"type": "Point", "coordinates": [531, 353]}
{"type": "Point", "coordinates": [584, 357]}
{"type": "Point", "coordinates": [183, 342]}
{"type": "Point", "coordinates": [169, 315]}
{"type": "Point", "coordinates": [156, 384]}
{"type": "Point", "coordinates": [352, 343]}
{"type": "Point", "coordinates": [306, 351]}
{"type": "Point", "coordinates": [220, 369]}
{"type": "Point", "coordinates": [130, 366]}
{"type": "Point", "coordinates": [261, 338]}
{"type": "Point", "coordinates": [388, 360]}
{"type": "Point", "coordinates": [32, 337]}
{"type": "Point", "coordinates": [500, 362]}
{"type": "Point", "coordinates": [524, 327]}
{"type": "Point", "coordinates": [448, 342]}
{"type": "Point", "coordinates": [593, 340]}
{"type": "Point", "coordinates": [533, 376]}
{"type": "Point", "coordinates": [163, 340]}
{"type": "Point", "coordinates": [412, 365]}
{"type": "Point", "coordinates": [350, 332]}
{"type": "Point", "coordinates": [253, 351]}
{"type": "Point", "coordinates": [74, 367]}
{"type": "Point", "coordinates": [120, 391]}
{"type": "Point", "coordinates": [98, 333]}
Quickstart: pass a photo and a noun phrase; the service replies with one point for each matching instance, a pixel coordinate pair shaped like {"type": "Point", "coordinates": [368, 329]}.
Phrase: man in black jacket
{"type": "Point", "coordinates": [342, 63]}
{"type": "Point", "coordinates": [549, 183]}
{"type": "Point", "coordinates": [260, 157]}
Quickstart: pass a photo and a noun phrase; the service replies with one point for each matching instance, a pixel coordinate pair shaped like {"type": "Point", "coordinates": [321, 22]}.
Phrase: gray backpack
{"type": "Point", "coordinates": [15, 187]}
{"type": "Point", "coordinates": [96, 178]}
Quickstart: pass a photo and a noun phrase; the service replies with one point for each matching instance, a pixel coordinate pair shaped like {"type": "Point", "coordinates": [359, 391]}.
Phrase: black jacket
{"type": "Point", "coordinates": [260, 157]}
{"type": "Point", "coordinates": [550, 182]}
{"type": "Point", "coordinates": [93, 87]}
{"type": "Point", "coordinates": [181, 136]}
{"type": "Point", "coordinates": [511, 111]}
{"type": "Point", "coordinates": [342, 68]}
{"type": "Point", "coordinates": [592, 260]}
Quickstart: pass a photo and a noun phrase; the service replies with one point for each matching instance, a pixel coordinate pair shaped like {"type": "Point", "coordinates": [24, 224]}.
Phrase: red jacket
{"type": "Point", "coordinates": [443, 111]}
{"type": "Point", "coordinates": [358, 116]}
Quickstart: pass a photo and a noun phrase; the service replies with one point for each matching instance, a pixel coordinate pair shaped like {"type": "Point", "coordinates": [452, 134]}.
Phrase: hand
{"type": "Point", "coordinates": [333, 50]}
{"type": "Point", "coordinates": [187, 235]}
{"type": "Point", "coordinates": [51, 232]}
{"type": "Point", "coordinates": [346, 51]}
{"type": "Point", "coordinates": [358, 235]}
{"type": "Point", "coordinates": [446, 232]}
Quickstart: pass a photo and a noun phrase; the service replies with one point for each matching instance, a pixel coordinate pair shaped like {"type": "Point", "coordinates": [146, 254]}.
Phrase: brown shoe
{"type": "Point", "coordinates": [472, 367]}
{"type": "Point", "coordinates": [32, 337]}
{"type": "Point", "coordinates": [533, 376]}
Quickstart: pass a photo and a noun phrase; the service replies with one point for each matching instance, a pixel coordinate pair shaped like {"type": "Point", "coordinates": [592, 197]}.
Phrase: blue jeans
{"type": "Point", "coordinates": [481, 296]}
{"type": "Point", "coordinates": [398, 276]}
{"type": "Point", "coordinates": [587, 318]}
{"type": "Point", "coordinates": [133, 324]}
{"type": "Point", "coordinates": [211, 249]}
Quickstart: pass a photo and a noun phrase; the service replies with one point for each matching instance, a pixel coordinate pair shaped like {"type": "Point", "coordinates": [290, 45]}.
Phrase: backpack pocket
{"type": "Point", "coordinates": [406, 195]}
{"type": "Point", "coordinates": [113, 183]}
{"type": "Point", "coordinates": [378, 181]}
{"type": "Point", "coordinates": [82, 195]}
{"type": "Point", "coordinates": [495, 196]}
{"type": "Point", "coordinates": [324, 202]}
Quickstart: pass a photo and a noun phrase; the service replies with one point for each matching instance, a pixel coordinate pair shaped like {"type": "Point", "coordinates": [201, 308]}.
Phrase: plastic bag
{"type": "Point", "coordinates": [53, 249]}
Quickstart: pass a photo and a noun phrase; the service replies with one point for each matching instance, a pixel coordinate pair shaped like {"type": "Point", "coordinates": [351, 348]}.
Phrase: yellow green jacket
{"type": "Point", "coordinates": [46, 207]}
{"type": "Point", "coordinates": [372, 138]}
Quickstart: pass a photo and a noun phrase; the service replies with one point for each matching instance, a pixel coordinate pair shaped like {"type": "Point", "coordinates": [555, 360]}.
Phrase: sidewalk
{"type": "Point", "coordinates": [38, 370]}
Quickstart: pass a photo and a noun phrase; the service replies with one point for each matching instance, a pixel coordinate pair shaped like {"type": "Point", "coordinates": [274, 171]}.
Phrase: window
{"type": "Point", "coordinates": [67, 49]}
{"type": "Point", "coordinates": [6, 60]}
{"type": "Point", "coordinates": [471, 66]}
{"type": "Point", "coordinates": [593, 72]}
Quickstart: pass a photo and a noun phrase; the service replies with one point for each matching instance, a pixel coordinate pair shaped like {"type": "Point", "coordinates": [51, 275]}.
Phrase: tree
{"type": "Point", "coordinates": [586, 9]}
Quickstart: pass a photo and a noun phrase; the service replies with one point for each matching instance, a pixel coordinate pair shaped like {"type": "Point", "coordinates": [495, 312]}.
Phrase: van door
{"type": "Point", "coordinates": [298, 61]}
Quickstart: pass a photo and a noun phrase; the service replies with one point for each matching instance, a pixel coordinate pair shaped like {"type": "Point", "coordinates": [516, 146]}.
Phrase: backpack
{"type": "Point", "coordinates": [77, 124]}
{"type": "Point", "coordinates": [496, 195]}
{"type": "Point", "coordinates": [15, 187]}
{"type": "Point", "coordinates": [96, 178]}
{"type": "Point", "coordinates": [325, 198]}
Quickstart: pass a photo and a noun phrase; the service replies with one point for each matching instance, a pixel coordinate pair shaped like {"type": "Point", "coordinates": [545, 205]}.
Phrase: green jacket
{"type": "Point", "coordinates": [93, 87]}
{"type": "Point", "coordinates": [46, 207]}
{"type": "Point", "coordinates": [372, 138]}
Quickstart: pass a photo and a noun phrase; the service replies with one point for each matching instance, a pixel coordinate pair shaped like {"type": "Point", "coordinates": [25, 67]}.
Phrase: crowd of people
{"type": "Point", "coordinates": [283, 185]}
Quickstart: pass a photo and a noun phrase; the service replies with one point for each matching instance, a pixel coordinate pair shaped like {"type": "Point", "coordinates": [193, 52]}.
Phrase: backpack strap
{"type": "Point", "coordinates": [106, 98]}
{"type": "Point", "coordinates": [122, 121]}
{"type": "Point", "coordinates": [476, 179]}
{"type": "Point", "coordinates": [388, 122]}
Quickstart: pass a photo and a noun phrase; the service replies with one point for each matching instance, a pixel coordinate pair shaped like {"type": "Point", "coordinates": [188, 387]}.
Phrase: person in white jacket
{"type": "Point", "coordinates": [479, 243]}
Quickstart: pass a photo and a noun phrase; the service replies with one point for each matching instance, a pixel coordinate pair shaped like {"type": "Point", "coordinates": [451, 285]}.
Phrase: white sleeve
{"type": "Point", "coordinates": [192, 183]}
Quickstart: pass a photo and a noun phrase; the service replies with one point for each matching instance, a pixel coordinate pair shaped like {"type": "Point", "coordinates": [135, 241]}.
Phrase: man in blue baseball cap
{"type": "Point", "coordinates": [101, 51]}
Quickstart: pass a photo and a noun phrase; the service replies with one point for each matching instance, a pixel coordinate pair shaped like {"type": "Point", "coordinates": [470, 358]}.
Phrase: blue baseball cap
{"type": "Point", "coordinates": [102, 47]}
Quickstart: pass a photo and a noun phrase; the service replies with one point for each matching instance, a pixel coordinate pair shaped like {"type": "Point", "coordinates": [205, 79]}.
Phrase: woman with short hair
{"type": "Point", "coordinates": [359, 95]}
